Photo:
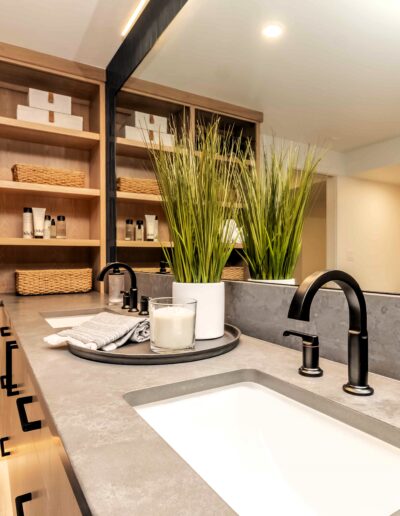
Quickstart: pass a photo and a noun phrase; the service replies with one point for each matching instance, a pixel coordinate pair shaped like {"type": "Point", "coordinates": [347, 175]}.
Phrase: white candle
{"type": "Point", "coordinates": [172, 327]}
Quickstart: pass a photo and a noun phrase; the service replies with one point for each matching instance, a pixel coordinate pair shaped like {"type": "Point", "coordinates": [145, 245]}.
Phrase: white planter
{"type": "Point", "coordinates": [291, 281]}
{"type": "Point", "coordinates": [210, 299]}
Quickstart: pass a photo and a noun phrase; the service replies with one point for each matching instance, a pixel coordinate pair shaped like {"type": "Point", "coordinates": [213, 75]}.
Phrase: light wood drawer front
{"type": "Point", "coordinates": [35, 467]}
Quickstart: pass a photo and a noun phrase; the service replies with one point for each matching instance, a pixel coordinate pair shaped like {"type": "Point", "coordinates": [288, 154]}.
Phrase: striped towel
{"type": "Point", "coordinates": [104, 331]}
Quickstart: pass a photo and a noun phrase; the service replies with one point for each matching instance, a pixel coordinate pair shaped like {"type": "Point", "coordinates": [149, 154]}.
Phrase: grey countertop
{"type": "Point", "coordinates": [122, 465]}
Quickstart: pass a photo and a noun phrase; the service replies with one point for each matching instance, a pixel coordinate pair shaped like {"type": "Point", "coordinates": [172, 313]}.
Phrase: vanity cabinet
{"type": "Point", "coordinates": [38, 483]}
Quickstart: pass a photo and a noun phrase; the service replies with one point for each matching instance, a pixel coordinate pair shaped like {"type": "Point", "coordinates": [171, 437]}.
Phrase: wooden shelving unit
{"type": "Point", "coordinates": [133, 159]}
{"type": "Point", "coordinates": [84, 208]}
{"type": "Point", "coordinates": [47, 145]}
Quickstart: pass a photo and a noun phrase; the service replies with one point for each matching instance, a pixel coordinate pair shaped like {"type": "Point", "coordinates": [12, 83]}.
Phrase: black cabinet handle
{"type": "Point", "coordinates": [6, 380]}
{"type": "Point", "coordinates": [27, 426]}
{"type": "Point", "coordinates": [3, 452]}
{"type": "Point", "coordinates": [5, 331]}
{"type": "Point", "coordinates": [3, 382]}
{"type": "Point", "coordinates": [19, 503]}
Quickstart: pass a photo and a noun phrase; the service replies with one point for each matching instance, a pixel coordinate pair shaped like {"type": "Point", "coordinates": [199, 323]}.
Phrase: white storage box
{"type": "Point", "coordinates": [41, 116]}
{"type": "Point", "coordinates": [167, 140]}
{"type": "Point", "coordinates": [135, 133]}
{"type": "Point", "coordinates": [142, 135]}
{"type": "Point", "coordinates": [151, 122]}
{"type": "Point", "coordinates": [49, 101]}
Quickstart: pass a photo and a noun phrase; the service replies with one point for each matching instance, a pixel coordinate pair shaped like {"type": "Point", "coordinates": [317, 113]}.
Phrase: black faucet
{"type": "Point", "coordinates": [358, 335]}
{"type": "Point", "coordinates": [116, 266]}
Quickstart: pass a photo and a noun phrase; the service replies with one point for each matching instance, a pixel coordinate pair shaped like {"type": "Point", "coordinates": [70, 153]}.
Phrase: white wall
{"type": "Point", "coordinates": [332, 163]}
{"type": "Point", "coordinates": [363, 226]}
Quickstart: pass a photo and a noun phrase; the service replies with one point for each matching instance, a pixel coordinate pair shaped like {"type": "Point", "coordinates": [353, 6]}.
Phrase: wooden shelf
{"type": "Point", "coordinates": [138, 197]}
{"type": "Point", "coordinates": [46, 134]}
{"type": "Point", "coordinates": [142, 245]}
{"type": "Point", "coordinates": [51, 190]}
{"type": "Point", "coordinates": [134, 243]}
{"type": "Point", "coordinates": [136, 149]}
{"type": "Point", "coordinates": [54, 242]}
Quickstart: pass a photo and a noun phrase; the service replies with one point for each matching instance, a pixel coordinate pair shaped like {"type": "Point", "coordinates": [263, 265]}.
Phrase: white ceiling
{"type": "Point", "coordinates": [334, 77]}
{"type": "Point", "coordinates": [88, 31]}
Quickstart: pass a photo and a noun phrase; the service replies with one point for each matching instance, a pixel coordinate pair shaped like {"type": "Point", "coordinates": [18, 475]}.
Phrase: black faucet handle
{"type": "Point", "coordinates": [133, 300]}
{"type": "Point", "coordinates": [307, 337]}
{"type": "Point", "coordinates": [310, 365]}
{"type": "Point", "coordinates": [125, 299]}
{"type": "Point", "coordinates": [144, 305]}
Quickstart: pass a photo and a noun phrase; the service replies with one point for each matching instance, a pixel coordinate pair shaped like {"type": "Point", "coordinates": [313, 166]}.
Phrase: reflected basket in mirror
{"type": "Point", "coordinates": [24, 173]}
{"type": "Point", "coordinates": [138, 185]}
{"type": "Point", "coordinates": [234, 274]}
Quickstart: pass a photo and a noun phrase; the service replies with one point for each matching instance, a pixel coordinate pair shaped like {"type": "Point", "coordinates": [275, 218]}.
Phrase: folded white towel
{"type": "Point", "coordinates": [105, 331]}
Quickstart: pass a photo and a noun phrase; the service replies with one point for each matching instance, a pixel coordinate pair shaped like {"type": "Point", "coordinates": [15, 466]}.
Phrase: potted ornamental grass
{"type": "Point", "coordinates": [196, 185]}
{"type": "Point", "coordinates": [274, 205]}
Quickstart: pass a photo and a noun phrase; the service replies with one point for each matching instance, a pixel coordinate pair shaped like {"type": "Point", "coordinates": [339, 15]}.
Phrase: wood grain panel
{"type": "Point", "coordinates": [12, 258]}
{"type": "Point", "coordinates": [151, 89]}
{"type": "Point", "coordinates": [137, 211]}
{"type": "Point", "coordinates": [14, 151]}
{"type": "Point", "coordinates": [77, 213]}
{"type": "Point", "coordinates": [48, 63]}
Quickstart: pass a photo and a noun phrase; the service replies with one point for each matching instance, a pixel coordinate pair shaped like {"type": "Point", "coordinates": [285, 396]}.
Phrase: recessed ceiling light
{"type": "Point", "coordinates": [273, 30]}
{"type": "Point", "coordinates": [135, 15]}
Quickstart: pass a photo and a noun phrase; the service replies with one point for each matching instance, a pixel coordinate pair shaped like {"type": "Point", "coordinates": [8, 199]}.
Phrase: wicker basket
{"type": "Point", "coordinates": [53, 281]}
{"type": "Point", "coordinates": [47, 175]}
{"type": "Point", "coordinates": [234, 274]}
{"type": "Point", "coordinates": [138, 185]}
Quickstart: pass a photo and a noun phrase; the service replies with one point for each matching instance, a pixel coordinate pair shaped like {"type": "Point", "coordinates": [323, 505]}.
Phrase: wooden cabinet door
{"type": "Point", "coordinates": [5, 496]}
{"type": "Point", "coordinates": [23, 465]}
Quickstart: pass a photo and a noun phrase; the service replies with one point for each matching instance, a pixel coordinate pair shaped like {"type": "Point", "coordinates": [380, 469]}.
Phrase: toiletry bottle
{"type": "Point", "coordinates": [53, 230]}
{"type": "Point", "coordinates": [61, 227]}
{"type": "Point", "coordinates": [116, 283]}
{"type": "Point", "coordinates": [38, 221]}
{"type": "Point", "coordinates": [139, 230]}
{"type": "Point", "coordinates": [27, 223]}
{"type": "Point", "coordinates": [129, 229]}
{"type": "Point", "coordinates": [156, 229]}
{"type": "Point", "coordinates": [47, 226]}
{"type": "Point", "coordinates": [150, 220]}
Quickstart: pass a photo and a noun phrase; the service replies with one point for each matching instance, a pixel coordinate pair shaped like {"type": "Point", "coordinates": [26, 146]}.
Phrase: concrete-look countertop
{"type": "Point", "coordinates": [122, 465]}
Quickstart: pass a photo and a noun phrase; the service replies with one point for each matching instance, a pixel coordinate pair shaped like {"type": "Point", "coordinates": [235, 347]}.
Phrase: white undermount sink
{"type": "Point", "coordinates": [266, 454]}
{"type": "Point", "coordinates": [68, 320]}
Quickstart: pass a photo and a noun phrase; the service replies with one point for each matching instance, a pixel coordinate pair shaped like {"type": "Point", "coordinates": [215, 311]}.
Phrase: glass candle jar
{"type": "Point", "coordinates": [172, 324]}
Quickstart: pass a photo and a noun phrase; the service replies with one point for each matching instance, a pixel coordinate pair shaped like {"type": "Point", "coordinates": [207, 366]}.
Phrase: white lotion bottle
{"type": "Point", "coordinates": [150, 223]}
{"type": "Point", "coordinates": [38, 221]}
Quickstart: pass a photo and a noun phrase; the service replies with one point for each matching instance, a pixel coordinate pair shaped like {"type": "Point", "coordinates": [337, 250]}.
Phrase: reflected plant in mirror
{"type": "Point", "coordinates": [274, 204]}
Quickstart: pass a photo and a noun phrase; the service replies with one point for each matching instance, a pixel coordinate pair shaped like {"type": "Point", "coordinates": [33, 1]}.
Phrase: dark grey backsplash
{"type": "Point", "coordinates": [261, 311]}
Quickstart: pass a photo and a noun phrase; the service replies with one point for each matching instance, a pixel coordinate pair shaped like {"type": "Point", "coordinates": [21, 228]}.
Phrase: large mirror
{"type": "Point", "coordinates": [312, 73]}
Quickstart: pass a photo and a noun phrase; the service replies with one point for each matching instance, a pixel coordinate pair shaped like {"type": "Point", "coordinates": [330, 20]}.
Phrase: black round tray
{"type": "Point", "coordinates": [141, 354]}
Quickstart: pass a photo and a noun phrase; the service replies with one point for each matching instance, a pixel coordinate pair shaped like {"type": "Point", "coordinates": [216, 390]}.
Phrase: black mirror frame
{"type": "Point", "coordinates": [155, 18]}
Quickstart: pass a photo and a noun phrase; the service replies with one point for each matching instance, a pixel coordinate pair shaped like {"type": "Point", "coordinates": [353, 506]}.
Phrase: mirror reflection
{"type": "Point", "coordinates": [313, 99]}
